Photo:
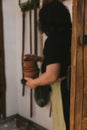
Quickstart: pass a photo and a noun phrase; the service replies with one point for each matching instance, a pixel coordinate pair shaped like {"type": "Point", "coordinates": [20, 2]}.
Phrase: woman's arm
{"type": "Point", "coordinates": [51, 75]}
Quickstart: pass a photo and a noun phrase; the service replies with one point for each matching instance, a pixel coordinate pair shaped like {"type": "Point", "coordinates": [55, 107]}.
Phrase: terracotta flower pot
{"type": "Point", "coordinates": [31, 73]}
{"type": "Point", "coordinates": [30, 64]}
{"type": "Point", "coordinates": [30, 67]}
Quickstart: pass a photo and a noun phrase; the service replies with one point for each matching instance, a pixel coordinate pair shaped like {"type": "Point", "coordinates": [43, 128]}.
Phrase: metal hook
{"type": "Point", "coordinates": [83, 40]}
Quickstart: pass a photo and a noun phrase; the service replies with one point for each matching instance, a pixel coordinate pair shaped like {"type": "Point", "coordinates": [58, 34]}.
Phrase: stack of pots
{"type": "Point", "coordinates": [31, 69]}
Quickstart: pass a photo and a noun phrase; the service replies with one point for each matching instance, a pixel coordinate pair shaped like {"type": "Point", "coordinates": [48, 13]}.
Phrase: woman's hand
{"type": "Point", "coordinates": [29, 83]}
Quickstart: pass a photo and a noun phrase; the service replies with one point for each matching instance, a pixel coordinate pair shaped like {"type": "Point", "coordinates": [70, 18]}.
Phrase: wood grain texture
{"type": "Point", "coordinates": [85, 70]}
{"type": "Point", "coordinates": [77, 67]}
{"type": "Point", "coordinates": [84, 124]}
{"type": "Point", "coordinates": [73, 66]}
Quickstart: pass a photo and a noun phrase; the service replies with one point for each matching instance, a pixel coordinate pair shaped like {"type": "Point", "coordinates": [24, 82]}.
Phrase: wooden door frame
{"type": "Point", "coordinates": [76, 66]}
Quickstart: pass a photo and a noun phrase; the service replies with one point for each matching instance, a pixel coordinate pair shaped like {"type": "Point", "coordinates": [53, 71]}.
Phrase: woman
{"type": "Point", "coordinates": [55, 22]}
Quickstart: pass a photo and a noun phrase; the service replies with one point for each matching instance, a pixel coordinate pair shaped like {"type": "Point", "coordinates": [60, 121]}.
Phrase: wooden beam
{"type": "Point", "coordinates": [77, 66]}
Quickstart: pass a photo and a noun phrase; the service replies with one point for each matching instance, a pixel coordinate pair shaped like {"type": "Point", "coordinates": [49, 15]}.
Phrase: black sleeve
{"type": "Point", "coordinates": [54, 51]}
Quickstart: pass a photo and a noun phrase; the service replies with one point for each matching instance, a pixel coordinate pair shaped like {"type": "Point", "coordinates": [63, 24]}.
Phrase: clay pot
{"type": "Point", "coordinates": [30, 67]}
{"type": "Point", "coordinates": [31, 73]}
{"type": "Point", "coordinates": [30, 64]}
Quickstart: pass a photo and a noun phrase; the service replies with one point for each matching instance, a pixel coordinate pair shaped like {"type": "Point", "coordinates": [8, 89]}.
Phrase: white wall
{"type": "Point", "coordinates": [40, 115]}
{"type": "Point", "coordinates": [15, 102]}
{"type": "Point", "coordinates": [68, 3]}
{"type": "Point", "coordinates": [9, 18]}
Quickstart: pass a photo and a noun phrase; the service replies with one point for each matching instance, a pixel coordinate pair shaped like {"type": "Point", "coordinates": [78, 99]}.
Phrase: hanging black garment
{"type": "Point", "coordinates": [65, 93]}
{"type": "Point", "coordinates": [42, 95]}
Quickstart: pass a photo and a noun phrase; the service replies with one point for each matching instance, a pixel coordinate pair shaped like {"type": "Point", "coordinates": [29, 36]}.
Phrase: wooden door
{"type": "Point", "coordinates": [2, 68]}
{"type": "Point", "coordinates": [84, 114]}
{"type": "Point", "coordinates": [78, 106]}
